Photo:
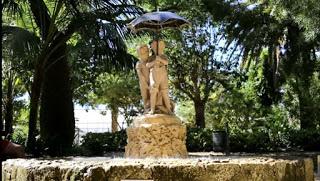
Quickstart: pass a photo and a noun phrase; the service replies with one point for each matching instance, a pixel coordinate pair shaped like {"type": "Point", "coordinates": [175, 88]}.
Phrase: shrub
{"type": "Point", "coordinates": [199, 139]}
{"type": "Point", "coordinates": [19, 135]}
{"type": "Point", "coordinates": [99, 143]}
{"type": "Point", "coordinates": [308, 140]}
{"type": "Point", "coordinates": [247, 141]}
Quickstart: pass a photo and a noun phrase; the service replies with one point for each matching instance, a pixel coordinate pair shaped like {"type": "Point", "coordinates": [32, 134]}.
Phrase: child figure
{"type": "Point", "coordinates": [159, 77]}
{"type": "Point", "coordinates": [143, 74]}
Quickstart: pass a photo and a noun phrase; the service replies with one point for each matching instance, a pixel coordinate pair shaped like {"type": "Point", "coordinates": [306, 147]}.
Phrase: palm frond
{"type": "Point", "coordinates": [13, 7]}
{"type": "Point", "coordinates": [124, 8]}
{"type": "Point", "coordinates": [102, 31]}
{"type": "Point", "coordinates": [105, 49]}
{"type": "Point", "coordinates": [23, 44]}
{"type": "Point", "coordinates": [20, 40]}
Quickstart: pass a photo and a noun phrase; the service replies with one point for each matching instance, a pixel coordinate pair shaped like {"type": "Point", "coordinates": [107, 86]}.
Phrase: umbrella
{"type": "Point", "coordinates": [157, 21]}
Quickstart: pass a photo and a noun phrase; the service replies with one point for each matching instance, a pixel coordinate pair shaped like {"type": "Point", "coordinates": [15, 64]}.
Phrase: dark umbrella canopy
{"type": "Point", "coordinates": [156, 21]}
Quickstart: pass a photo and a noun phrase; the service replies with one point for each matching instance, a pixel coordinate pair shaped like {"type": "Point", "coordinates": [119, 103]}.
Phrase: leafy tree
{"type": "Point", "coordinates": [20, 48]}
{"type": "Point", "coordinates": [119, 91]}
{"type": "Point", "coordinates": [198, 66]}
{"type": "Point", "coordinates": [185, 110]}
{"type": "Point", "coordinates": [13, 90]}
{"type": "Point", "coordinates": [274, 26]}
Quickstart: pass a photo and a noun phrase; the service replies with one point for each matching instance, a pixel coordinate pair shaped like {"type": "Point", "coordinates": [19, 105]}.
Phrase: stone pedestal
{"type": "Point", "coordinates": [156, 136]}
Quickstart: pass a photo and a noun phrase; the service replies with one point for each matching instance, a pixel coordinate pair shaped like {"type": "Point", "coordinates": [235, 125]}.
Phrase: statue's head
{"type": "Point", "coordinates": [143, 52]}
{"type": "Point", "coordinates": [159, 43]}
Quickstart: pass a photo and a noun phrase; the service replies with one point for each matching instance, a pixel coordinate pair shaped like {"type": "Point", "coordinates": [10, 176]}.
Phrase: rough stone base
{"type": "Point", "coordinates": [196, 169]}
{"type": "Point", "coordinates": [157, 136]}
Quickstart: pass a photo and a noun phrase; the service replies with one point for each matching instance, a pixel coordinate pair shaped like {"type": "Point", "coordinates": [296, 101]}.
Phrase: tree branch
{"type": "Point", "coordinates": [41, 16]}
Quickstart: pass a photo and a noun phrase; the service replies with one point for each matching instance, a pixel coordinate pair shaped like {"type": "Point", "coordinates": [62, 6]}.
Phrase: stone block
{"type": "Point", "coordinates": [158, 136]}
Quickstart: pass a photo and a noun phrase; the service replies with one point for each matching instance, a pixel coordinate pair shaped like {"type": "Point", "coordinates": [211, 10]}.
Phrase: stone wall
{"type": "Point", "coordinates": [197, 169]}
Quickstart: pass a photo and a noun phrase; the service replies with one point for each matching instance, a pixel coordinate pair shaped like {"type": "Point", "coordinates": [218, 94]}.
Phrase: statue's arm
{"type": "Point", "coordinates": [163, 60]}
{"type": "Point", "coordinates": [150, 64]}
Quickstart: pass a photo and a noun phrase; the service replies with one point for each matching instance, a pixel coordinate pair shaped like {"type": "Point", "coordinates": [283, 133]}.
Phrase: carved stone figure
{"type": "Point", "coordinates": [159, 89]}
{"type": "Point", "coordinates": [143, 74]}
{"type": "Point", "coordinates": [160, 133]}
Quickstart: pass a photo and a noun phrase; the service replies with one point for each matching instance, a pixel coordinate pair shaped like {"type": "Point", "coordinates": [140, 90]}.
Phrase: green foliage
{"type": "Point", "coordinates": [257, 141]}
{"type": "Point", "coordinates": [16, 77]}
{"type": "Point", "coordinates": [281, 30]}
{"type": "Point", "coordinates": [302, 12]}
{"type": "Point", "coordinates": [307, 140]}
{"type": "Point", "coordinates": [20, 131]}
{"type": "Point", "coordinates": [291, 98]}
{"type": "Point", "coordinates": [267, 105]}
{"type": "Point", "coordinates": [185, 110]}
{"type": "Point", "coordinates": [99, 143]}
{"type": "Point", "coordinates": [199, 139]}
{"type": "Point", "coordinates": [118, 91]}
{"type": "Point", "coordinates": [253, 124]}
{"type": "Point", "coordinates": [20, 135]}
{"type": "Point", "coordinates": [54, 23]}
{"type": "Point", "coordinates": [200, 62]}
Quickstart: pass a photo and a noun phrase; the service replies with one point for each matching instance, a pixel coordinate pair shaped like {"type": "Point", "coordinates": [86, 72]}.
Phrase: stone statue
{"type": "Point", "coordinates": [159, 134]}
{"type": "Point", "coordinates": [159, 94]}
{"type": "Point", "coordinates": [143, 74]}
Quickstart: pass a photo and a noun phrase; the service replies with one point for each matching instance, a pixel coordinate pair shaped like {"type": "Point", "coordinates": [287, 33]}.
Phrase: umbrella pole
{"type": "Point", "coordinates": [157, 46]}
{"type": "Point", "coordinates": [157, 39]}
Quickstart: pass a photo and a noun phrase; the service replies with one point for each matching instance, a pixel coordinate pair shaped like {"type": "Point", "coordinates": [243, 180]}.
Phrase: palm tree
{"type": "Point", "coordinates": [24, 47]}
{"type": "Point", "coordinates": [13, 6]}
{"type": "Point", "coordinates": [51, 79]}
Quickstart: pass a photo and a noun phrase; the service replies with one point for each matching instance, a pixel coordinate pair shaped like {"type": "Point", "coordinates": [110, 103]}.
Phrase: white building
{"type": "Point", "coordinates": [94, 120]}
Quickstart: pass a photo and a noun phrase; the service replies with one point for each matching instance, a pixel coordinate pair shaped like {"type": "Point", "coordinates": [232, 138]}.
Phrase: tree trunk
{"type": "Point", "coordinates": [199, 107]}
{"type": "Point", "coordinates": [9, 106]}
{"type": "Point", "coordinates": [306, 103]}
{"type": "Point", "coordinates": [1, 36]}
{"type": "Point", "coordinates": [57, 123]}
{"type": "Point", "coordinates": [114, 119]}
{"type": "Point", "coordinates": [307, 114]}
{"type": "Point", "coordinates": [34, 107]}
{"type": "Point", "coordinates": [302, 66]}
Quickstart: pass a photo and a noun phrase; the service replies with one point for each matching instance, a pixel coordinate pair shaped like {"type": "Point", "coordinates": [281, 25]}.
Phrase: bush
{"type": "Point", "coordinates": [245, 141]}
{"type": "Point", "coordinates": [99, 143]}
{"type": "Point", "coordinates": [256, 140]}
{"type": "Point", "coordinates": [199, 139]}
{"type": "Point", "coordinates": [260, 140]}
{"type": "Point", "coordinates": [19, 135]}
{"type": "Point", "coordinates": [308, 140]}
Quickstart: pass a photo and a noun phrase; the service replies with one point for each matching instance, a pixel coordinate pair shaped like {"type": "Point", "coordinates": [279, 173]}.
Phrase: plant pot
{"type": "Point", "coordinates": [219, 141]}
